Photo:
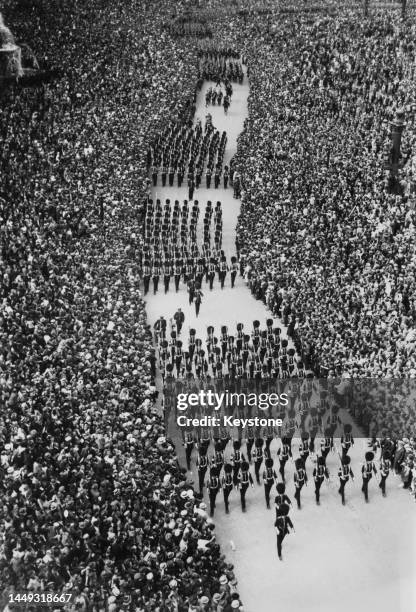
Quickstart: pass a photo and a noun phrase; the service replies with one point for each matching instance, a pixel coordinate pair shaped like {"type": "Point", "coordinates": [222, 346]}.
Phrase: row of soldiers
{"type": "Point", "coordinates": [216, 96]}
{"type": "Point", "coordinates": [177, 226]}
{"type": "Point", "coordinates": [187, 151]}
{"type": "Point", "coordinates": [192, 270]}
{"type": "Point", "coordinates": [156, 245]}
{"type": "Point", "coordinates": [261, 354]}
{"type": "Point", "coordinates": [236, 473]}
{"type": "Point", "coordinates": [220, 69]}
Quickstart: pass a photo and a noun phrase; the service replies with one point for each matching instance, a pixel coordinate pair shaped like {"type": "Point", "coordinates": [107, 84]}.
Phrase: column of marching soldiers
{"type": "Point", "coordinates": [170, 242]}
{"type": "Point", "coordinates": [239, 361]}
{"type": "Point", "coordinates": [230, 470]}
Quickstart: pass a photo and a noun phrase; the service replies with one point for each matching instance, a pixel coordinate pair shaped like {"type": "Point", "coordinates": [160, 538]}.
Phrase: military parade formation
{"type": "Point", "coordinates": [224, 465]}
{"type": "Point", "coordinates": [181, 247]}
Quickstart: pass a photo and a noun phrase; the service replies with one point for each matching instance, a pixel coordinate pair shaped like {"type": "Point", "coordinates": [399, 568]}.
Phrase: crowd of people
{"type": "Point", "coordinates": [93, 499]}
{"type": "Point", "coordinates": [322, 238]}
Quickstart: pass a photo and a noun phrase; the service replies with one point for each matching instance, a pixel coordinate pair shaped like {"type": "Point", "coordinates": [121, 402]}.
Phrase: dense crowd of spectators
{"type": "Point", "coordinates": [325, 240]}
{"type": "Point", "coordinates": [93, 498]}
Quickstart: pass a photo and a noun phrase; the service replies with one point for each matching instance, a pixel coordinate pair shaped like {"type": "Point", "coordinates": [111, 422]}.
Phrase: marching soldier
{"type": "Point", "coordinates": [269, 479]}
{"type": "Point", "coordinates": [191, 188]}
{"type": "Point", "coordinates": [198, 300]}
{"type": "Point", "coordinates": [171, 175]}
{"type": "Point", "coordinates": [191, 343]}
{"type": "Point", "coordinates": [250, 441]}
{"type": "Point", "coordinates": [236, 459]}
{"type": "Point", "coordinates": [224, 436]}
{"type": "Point", "coordinates": [198, 176]}
{"type": "Point", "coordinates": [208, 178]}
{"type": "Point", "coordinates": [284, 453]}
{"type": "Point", "coordinates": [178, 356]}
{"type": "Point", "coordinates": [258, 457]}
{"type": "Point", "coordinates": [367, 472]}
{"type": "Point", "coordinates": [226, 176]}
{"type": "Point", "coordinates": [344, 474]}
{"type": "Point", "coordinates": [385, 465]}
{"type": "Point", "coordinates": [164, 174]}
{"type": "Point", "coordinates": [204, 437]}
{"type": "Point", "coordinates": [160, 328]}
{"type": "Point", "coordinates": [234, 270]}
{"type": "Point", "coordinates": [245, 480]}
{"type": "Point", "coordinates": [218, 458]}
{"type": "Point", "coordinates": [214, 487]}
{"type": "Point", "coordinates": [283, 525]}
{"type": "Point", "coordinates": [300, 477]}
{"type": "Point", "coordinates": [189, 445]}
{"type": "Point", "coordinates": [202, 466]}
{"type": "Point", "coordinates": [211, 272]}
{"type": "Point", "coordinates": [166, 275]}
{"type": "Point", "coordinates": [217, 177]}
{"type": "Point", "coordinates": [177, 274]}
{"type": "Point", "coordinates": [319, 473]}
{"type": "Point", "coordinates": [191, 290]}
{"type": "Point", "coordinates": [327, 444]}
{"type": "Point", "coordinates": [223, 272]}
{"type": "Point", "coordinates": [304, 447]}
{"type": "Point", "coordinates": [281, 497]}
{"type": "Point", "coordinates": [227, 485]}
{"type": "Point", "coordinates": [347, 440]}
{"type": "Point", "coordinates": [156, 271]}
{"type": "Point", "coordinates": [181, 172]}
{"type": "Point", "coordinates": [179, 319]}
{"type": "Point", "coordinates": [154, 175]}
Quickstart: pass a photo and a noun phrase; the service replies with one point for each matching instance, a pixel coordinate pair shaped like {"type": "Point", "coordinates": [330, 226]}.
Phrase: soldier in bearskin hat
{"type": "Point", "coordinates": [258, 457]}
{"type": "Point", "coordinates": [300, 477]}
{"type": "Point", "coordinates": [202, 466]}
{"type": "Point", "coordinates": [198, 298]}
{"type": "Point", "coordinates": [188, 443]}
{"type": "Point", "coordinates": [347, 440]}
{"type": "Point", "coordinates": [269, 479]}
{"type": "Point", "coordinates": [236, 459]}
{"type": "Point", "coordinates": [281, 497]}
{"type": "Point", "coordinates": [284, 452]}
{"type": "Point", "coordinates": [147, 273]}
{"type": "Point", "coordinates": [211, 272]}
{"type": "Point", "coordinates": [367, 470]}
{"type": "Point", "coordinates": [245, 479]}
{"type": "Point", "coordinates": [218, 458]}
{"type": "Point", "coordinates": [304, 447]}
{"type": "Point", "coordinates": [327, 443]}
{"type": "Point", "coordinates": [344, 474]}
{"type": "Point", "coordinates": [319, 473]}
{"type": "Point", "coordinates": [227, 484]}
{"type": "Point", "coordinates": [213, 487]}
{"type": "Point", "coordinates": [283, 525]}
{"type": "Point", "coordinates": [156, 272]}
{"type": "Point", "coordinates": [385, 465]}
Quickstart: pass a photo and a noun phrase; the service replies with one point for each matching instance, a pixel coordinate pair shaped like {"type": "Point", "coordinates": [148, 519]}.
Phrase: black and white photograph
{"type": "Point", "coordinates": [207, 305]}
